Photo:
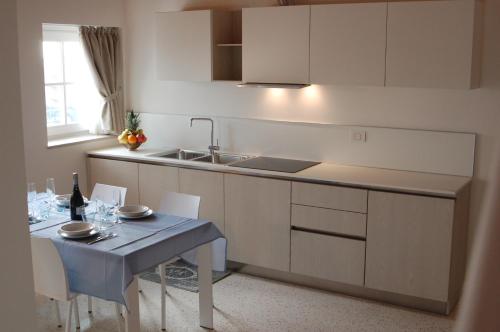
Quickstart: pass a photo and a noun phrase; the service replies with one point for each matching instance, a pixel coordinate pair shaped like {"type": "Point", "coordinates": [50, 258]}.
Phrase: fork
{"type": "Point", "coordinates": [103, 237]}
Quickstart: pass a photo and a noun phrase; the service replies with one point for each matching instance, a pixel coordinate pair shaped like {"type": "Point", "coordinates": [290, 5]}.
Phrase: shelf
{"type": "Point", "coordinates": [229, 45]}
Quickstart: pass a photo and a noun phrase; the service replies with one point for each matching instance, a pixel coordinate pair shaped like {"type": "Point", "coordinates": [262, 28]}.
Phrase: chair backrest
{"type": "Point", "coordinates": [182, 205]}
{"type": "Point", "coordinates": [48, 270]}
{"type": "Point", "coordinates": [104, 192]}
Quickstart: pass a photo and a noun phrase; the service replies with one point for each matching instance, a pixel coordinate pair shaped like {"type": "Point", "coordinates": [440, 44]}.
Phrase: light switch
{"type": "Point", "coordinates": [358, 136]}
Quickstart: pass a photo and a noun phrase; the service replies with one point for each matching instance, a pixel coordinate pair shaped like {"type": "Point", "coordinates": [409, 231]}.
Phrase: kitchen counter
{"type": "Point", "coordinates": [325, 173]}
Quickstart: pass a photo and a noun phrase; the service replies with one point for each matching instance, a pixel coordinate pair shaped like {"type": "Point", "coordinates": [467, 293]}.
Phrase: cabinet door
{"type": "Point", "coordinates": [115, 173]}
{"type": "Point", "coordinates": [431, 44]}
{"type": "Point", "coordinates": [258, 221]}
{"type": "Point", "coordinates": [409, 244]}
{"type": "Point", "coordinates": [348, 43]}
{"type": "Point", "coordinates": [210, 187]}
{"type": "Point", "coordinates": [154, 181]}
{"type": "Point", "coordinates": [276, 44]}
{"type": "Point", "coordinates": [184, 46]}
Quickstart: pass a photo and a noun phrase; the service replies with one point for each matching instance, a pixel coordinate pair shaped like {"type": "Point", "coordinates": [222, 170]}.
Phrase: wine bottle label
{"type": "Point", "coordinates": [79, 210]}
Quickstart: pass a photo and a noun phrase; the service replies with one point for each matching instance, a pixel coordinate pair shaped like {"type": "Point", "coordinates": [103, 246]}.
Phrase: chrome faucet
{"type": "Point", "coordinates": [212, 148]}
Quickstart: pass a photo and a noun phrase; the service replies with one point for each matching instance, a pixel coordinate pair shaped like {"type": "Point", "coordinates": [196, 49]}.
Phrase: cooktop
{"type": "Point", "coordinates": [276, 164]}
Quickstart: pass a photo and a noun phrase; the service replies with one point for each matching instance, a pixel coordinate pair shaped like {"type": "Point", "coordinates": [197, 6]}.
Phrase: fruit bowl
{"type": "Point", "coordinates": [133, 146]}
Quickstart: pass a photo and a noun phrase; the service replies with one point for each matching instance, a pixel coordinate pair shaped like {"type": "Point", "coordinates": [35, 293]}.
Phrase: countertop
{"type": "Point", "coordinates": [325, 173]}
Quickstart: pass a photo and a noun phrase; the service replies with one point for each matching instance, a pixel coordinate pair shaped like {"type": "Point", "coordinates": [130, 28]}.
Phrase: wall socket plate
{"type": "Point", "coordinates": [358, 136]}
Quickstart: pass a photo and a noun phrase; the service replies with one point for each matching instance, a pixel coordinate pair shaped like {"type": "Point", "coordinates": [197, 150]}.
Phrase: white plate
{"type": "Point", "coordinates": [63, 200]}
{"type": "Point", "coordinates": [77, 228]}
{"type": "Point", "coordinates": [133, 210]}
{"type": "Point", "coordinates": [81, 236]}
{"type": "Point", "coordinates": [147, 214]}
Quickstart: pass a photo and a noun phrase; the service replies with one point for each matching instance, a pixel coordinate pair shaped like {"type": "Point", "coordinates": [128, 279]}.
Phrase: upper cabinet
{"type": "Point", "coordinates": [348, 44]}
{"type": "Point", "coordinates": [201, 45]}
{"type": "Point", "coordinates": [276, 44]}
{"type": "Point", "coordinates": [184, 46]}
{"type": "Point", "coordinates": [433, 44]}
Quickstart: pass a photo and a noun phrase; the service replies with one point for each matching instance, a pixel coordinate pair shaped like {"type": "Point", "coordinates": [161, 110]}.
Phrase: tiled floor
{"type": "Point", "coordinates": [246, 303]}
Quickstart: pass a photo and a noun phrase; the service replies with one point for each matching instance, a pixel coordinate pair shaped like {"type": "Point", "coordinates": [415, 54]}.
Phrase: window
{"type": "Point", "coordinates": [71, 99]}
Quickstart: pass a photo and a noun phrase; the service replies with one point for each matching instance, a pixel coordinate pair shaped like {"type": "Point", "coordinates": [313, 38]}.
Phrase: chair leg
{"type": "Point", "coordinates": [89, 304]}
{"type": "Point", "coordinates": [58, 314]}
{"type": "Point", "coordinates": [68, 318]}
{"type": "Point", "coordinates": [118, 309]}
{"type": "Point", "coordinates": [77, 314]}
{"type": "Point", "coordinates": [163, 291]}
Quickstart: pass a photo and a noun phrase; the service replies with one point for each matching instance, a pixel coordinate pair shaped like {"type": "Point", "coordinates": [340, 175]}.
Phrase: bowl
{"type": "Point", "coordinates": [132, 147]}
{"type": "Point", "coordinates": [77, 228]}
{"type": "Point", "coordinates": [133, 210]}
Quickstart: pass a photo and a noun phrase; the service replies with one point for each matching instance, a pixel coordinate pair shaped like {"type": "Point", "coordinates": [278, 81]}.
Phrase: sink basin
{"type": "Point", "coordinates": [180, 154]}
{"type": "Point", "coordinates": [222, 158]}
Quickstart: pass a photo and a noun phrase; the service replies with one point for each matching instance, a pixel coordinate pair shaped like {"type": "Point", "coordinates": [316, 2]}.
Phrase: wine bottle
{"type": "Point", "coordinates": [76, 203]}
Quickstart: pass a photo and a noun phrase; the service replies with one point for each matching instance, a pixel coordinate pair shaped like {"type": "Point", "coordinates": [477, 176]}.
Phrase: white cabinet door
{"type": "Point", "coordinates": [115, 173]}
{"type": "Point", "coordinates": [348, 43]}
{"type": "Point", "coordinates": [155, 181]}
{"type": "Point", "coordinates": [210, 187]}
{"type": "Point", "coordinates": [432, 44]}
{"type": "Point", "coordinates": [276, 44]}
{"type": "Point", "coordinates": [184, 46]}
{"type": "Point", "coordinates": [258, 221]}
{"type": "Point", "coordinates": [408, 244]}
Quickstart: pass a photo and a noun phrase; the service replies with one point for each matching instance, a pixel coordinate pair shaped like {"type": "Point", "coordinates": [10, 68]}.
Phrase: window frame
{"type": "Point", "coordinates": [61, 33]}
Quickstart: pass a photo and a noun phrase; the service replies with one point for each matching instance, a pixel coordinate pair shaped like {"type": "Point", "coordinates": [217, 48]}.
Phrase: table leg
{"type": "Point", "coordinates": [132, 321]}
{"type": "Point", "coordinates": [205, 286]}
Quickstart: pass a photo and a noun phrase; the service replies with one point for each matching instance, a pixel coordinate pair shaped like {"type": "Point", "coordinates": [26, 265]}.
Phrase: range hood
{"type": "Point", "coordinates": [273, 85]}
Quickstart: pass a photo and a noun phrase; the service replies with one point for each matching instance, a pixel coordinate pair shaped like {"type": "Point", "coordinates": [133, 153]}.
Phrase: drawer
{"type": "Point", "coordinates": [328, 257]}
{"type": "Point", "coordinates": [326, 220]}
{"type": "Point", "coordinates": [331, 197]}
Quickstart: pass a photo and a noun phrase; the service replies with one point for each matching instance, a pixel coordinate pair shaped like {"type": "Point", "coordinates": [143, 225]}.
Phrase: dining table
{"type": "Point", "coordinates": [109, 269]}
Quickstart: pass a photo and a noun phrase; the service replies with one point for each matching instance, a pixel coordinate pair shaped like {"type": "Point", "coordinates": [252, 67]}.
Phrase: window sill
{"type": "Point", "coordinates": [58, 142]}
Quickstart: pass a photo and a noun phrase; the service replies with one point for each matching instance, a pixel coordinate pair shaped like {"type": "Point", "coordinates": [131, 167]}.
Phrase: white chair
{"type": "Point", "coordinates": [181, 205]}
{"type": "Point", "coordinates": [105, 192]}
{"type": "Point", "coordinates": [50, 278]}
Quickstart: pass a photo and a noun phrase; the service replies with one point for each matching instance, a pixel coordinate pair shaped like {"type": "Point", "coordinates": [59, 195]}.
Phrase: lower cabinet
{"type": "Point", "coordinates": [258, 221]}
{"type": "Point", "coordinates": [328, 257]}
{"type": "Point", "coordinates": [409, 244]}
{"type": "Point", "coordinates": [115, 173]}
{"type": "Point", "coordinates": [210, 187]}
{"type": "Point", "coordinates": [154, 181]}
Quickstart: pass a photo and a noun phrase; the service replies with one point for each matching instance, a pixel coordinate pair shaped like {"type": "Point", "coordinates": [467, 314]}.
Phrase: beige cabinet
{"type": "Point", "coordinates": [328, 257]}
{"type": "Point", "coordinates": [348, 43]}
{"type": "Point", "coordinates": [210, 187]}
{"type": "Point", "coordinates": [276, 44]}
{"type": "Point", "coordinates": [154, 181]}
{"type": "Point", "coordinates": [258, 221]}
{"type": "Point", "coordinates": [409, 241]}
{"type": "Point", "coordinates": [115, 173]}
{"type": "Point", "coordinates": [184, 45]}
{"type": "Point", "coordinates": [433, 44]}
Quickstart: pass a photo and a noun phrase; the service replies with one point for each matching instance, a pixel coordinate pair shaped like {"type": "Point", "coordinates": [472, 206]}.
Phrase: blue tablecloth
{"type": "Point", "coordinates": [105, 269]}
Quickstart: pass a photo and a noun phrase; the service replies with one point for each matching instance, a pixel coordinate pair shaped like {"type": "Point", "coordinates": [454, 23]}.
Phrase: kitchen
{"type": "Point", "coordinates": [388, 133]}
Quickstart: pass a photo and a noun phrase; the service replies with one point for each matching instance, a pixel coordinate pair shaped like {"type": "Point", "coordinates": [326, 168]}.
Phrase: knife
{"type": "Point", "coordinates": [102, 238]}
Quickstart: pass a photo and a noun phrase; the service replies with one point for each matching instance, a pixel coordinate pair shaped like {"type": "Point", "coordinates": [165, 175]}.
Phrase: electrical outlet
{"type": "Point", "coordinates": [358, 136]}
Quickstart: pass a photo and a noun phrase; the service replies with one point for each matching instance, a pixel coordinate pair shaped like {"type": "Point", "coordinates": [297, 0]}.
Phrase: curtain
{"type": "Point", "coordinates": [102, 47]}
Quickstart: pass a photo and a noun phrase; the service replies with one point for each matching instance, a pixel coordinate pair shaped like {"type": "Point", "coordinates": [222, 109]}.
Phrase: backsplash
{"type": "Point", "coordinates": [403, 149]}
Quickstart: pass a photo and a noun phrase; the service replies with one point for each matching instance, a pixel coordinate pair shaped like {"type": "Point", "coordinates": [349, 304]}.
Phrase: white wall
{"type": "Point", "coordinates": [17, 307]}
{"type": "Point", "coordinates": [476, 111]}
{"type": "Point", "coordinates": [42, 162]}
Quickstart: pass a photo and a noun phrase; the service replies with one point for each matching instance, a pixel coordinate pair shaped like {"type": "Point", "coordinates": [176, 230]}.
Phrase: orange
{"type": "Point", "coordinates": [131, 139]}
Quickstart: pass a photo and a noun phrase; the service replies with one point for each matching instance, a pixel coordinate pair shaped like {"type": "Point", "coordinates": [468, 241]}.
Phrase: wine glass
{"type": "Point", "coordinates": [51, 191]}
{"type": "Point", "coordinates": [31, 197]}
{"type": "Point", "coordinates": [117, 202]}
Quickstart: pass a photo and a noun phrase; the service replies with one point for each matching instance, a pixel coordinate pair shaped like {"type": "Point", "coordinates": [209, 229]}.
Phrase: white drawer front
{"type": "Point", "coordinates": [328, 257]}
{"type": "Point", "coordinates": [326, 220]}
{"type": "Point", "coordinates": [332, 197]}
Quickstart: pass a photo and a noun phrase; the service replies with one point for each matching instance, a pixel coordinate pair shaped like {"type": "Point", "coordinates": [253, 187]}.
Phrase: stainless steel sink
{"type": "Point", "coordinates": [222, 158]}
{"type": "Point", "coordinates": [180, 154]}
